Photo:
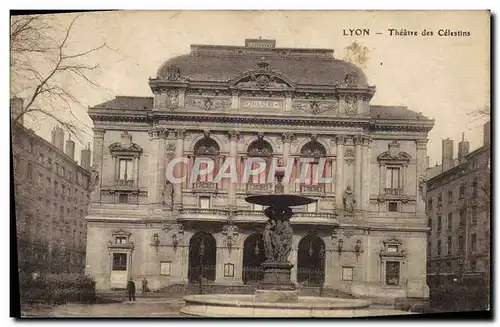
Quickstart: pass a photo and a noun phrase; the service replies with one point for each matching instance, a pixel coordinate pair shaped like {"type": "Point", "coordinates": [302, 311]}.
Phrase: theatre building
{"type": "Point", "coordinates": [366, 232]}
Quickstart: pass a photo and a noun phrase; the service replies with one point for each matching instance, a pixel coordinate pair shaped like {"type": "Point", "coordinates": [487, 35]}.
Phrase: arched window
{"type": "Point", "coordinates": [315, 168]}
{"type": "Point", "coordinates": [206, 150]}
{"type": "Point", "coordinates": [260, 153]}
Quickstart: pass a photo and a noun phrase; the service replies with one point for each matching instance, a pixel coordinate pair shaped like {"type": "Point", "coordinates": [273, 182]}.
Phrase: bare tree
{"type": "Point", "coordinates": [357, 53]}
{"type": "Point", "coordinates": [43, 67]}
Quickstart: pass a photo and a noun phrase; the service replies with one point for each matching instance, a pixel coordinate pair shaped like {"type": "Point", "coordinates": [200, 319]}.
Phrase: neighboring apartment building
{"type": "Point", "coordinates": [51, 201]}
{"type": "Point", "coordinates": [458, 209]}
{"type": "Point", "coordinates": [247, 102]}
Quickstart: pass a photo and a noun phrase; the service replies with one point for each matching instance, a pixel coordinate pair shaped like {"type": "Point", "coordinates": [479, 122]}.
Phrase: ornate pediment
{"type": "Point", "coordinates": [394, 155]}
{"type": "Point", "coordinates": [120, 233]}
{"type": "Point", "coordinates": [262, 77]}
{"type": "Point", "coordinates": [124, 149]}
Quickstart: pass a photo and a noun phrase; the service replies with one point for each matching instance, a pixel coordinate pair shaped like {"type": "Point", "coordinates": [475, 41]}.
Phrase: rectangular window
{"type": "Point", "coordinates": [473, 243]}
{"type": "Point", "coordinates": [474, 188]}
{"type": "Point", "coordinates": [41, 157]}
{"type": "Point", "coordinates": [119, 261]}
{"type": "Point", "coordinates": [474, 216]}
{"type": "Point", "coordinates": [125, 169]}
{"type": "Point", "coordinates": [440, 200]}
{"type": "Point", "coordinates": [29, 171]}
{"type": "Point", "coordinates": [439, 222]}
{"type": "Point", "coordinates": [262, 166]}
{"type": "Point", "coordinates": [461, 244]}
{"type": "Point", "coordinates": [204, 202]}
{"type": "Point", "coordinates": [449, 245]}
{"type": "Point", "coordinates": [429, 249]}
{"type": "Point", "coordinates": [429, 222]}
{"type": "Point", "coordinates": [392, 272]}
{"type": "Point", "coordinates": [429, 204]}
{"type": "Point", "coordinates": [312, 207]}
{"type": "Point", "coordinates": [347, 273]}
{"type": "Point", "coordinates": [208, 176]}
{"type": "Point", "coordinates": [393, 207]}
{"type": "Point", "coordinates": [450, 221]}
{"type": "Point", "coordinates": [50, 163]}
{"type": "Point", "coordinates": [473, 264]}
{"type": "Point", "coordinates": [63, 172]}
{"type": "Point", "coordinates": [40, 179]}
{"type": "Point", "coordinates": [392, 178]}
{"type": "Point", "coordinates": [439, 247]}
{"type": "Point", "coordinates": [450, 196]}
{"type": "Point", "coordinates": [461, 192]}
{"type": "Point", "coordinates": [123, 198]}
{"type": "Point", "coordinates": [463, 217]}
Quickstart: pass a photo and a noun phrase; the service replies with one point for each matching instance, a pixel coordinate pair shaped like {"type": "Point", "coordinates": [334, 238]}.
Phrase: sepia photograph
{"type": "Point", "coordinates": [250, 164]}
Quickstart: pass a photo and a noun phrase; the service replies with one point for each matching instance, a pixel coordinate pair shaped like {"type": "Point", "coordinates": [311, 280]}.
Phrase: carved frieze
{"type": "Point", "coordinates": [208, 92]}
{"type": "Point", "coordinates": [207, 103]}
{"type": "Point", "coordinates": [172, 101]}
{"type": "Point", "coordinates": [315, 107]}
{"type": "Point", "coordinates": [173, 73]}
{"type": "Point", "coordinates": [314, 96]}
{"type": "Point", "coordinates": [262, 94]}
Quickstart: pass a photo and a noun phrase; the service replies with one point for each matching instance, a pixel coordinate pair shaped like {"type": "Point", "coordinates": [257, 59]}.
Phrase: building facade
{"type": "Point", "coordinates": [364, 234]}
{"type": "Point", "coordinates": [458, 209]}
{"type": "Point", "coordinates": [51, 202]}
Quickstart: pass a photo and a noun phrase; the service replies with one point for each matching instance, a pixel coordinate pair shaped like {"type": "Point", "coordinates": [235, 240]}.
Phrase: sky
{"type": "Point", "coordinates": [443, 77]}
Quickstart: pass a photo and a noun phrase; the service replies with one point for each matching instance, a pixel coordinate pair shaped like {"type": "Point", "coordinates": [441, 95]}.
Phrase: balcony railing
{"type": "Point", "coordinates": [320, 188]}
{"type": "Point", "coordinates": [125, 183]}
{"type": "Point", "coordinates": [260, 187]}
{"type": "Point", "coordinates": [393, 191]}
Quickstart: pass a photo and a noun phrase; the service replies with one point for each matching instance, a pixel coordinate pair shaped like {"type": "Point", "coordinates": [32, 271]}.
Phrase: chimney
{"type": "Point", "coordinates": [16, 106]}
{"type": "Point", "coordinates": [70, 148]}
{"type": "Point", "coordinates": [58, 138]}
{"type": "Point", "coordinates": [85, 158]}
{"type": "Point", "coordinates": [486, 134]}
{"type": "Point", "coordinates": [463, 148]}
{"type": "Point", "coordinates": [447, 154]}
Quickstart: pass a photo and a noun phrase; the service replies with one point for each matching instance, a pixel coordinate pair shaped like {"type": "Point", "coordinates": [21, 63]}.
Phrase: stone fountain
{"type": "Point", "coordinates": [276, 295]}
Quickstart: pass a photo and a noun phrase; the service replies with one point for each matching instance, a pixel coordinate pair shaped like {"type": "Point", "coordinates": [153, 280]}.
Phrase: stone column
{"type": "Point", "coordinates": [365, 173]}
{"type": "Point", "coordinates": [97, 158]}
{"type": "Point", "coordinates": [153, 166]}
{"type": "Point", "coordinates": [358, 141]}
{"type": "Point", "coordinates": [339, 172]}
{"type": "Point", "coordinates": [421, 168]}
{"type": "Point", "coordinates": [382, 179]}
{"type": "Point", "coordinates": [233, 153]}
{"type": "Point", "coordinates": [160, 159]}
{"type": "Point", "coordinates": [287, 139]}
{"type": "Point", "coordinates": [179, 152]}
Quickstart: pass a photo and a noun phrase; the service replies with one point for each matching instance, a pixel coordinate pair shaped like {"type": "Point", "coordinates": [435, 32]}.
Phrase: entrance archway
{"type": "Point", "coordinates": [253, 257]}
{"type": "Point", "coordinates": [311, 261]}
{"type": "Point", "coordinates": [202, 257]}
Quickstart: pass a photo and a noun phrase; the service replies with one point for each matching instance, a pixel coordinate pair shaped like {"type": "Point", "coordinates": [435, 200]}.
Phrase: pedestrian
{"type": "Point", "coordinates": [131, 290]}
{"type": "Point", "coordinates": [144, 285]}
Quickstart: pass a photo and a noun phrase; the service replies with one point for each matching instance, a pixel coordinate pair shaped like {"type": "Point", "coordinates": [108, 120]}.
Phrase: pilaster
{"type": "Point", "coordinates": [339, 173]}
{"type": "Point", "coordinates": [97, 157]}
{"type": "Point", "coordinates": [421, 168]}
{"type": "Point", "coordinates": [233, 153]}
{"type": "Point", "coordinates": [178, 169]}
{"type": "Point", "coordinates": [287, 139]}
{"type": "Point", "coordinates": [358, 141]}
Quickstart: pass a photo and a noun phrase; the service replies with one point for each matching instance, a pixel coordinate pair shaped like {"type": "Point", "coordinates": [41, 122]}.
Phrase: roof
{"type": "Point", "coordinates": [207, 63]}
{"type": "Point", "coordinates": [394, 112]}
{"type": "Point", "coordinates": [128, 103]}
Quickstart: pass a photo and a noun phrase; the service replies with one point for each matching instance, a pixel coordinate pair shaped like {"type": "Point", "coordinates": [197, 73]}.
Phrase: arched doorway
{"type": "Point", "coordinates": [253, 257]}
{"type": "Point", "coordinates": [202, 257]}
{"type": "Point", "coordinates": [311, 261]}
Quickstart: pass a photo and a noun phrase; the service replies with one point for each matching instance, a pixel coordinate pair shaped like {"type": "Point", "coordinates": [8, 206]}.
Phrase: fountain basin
{"type": "Point", "coordinates": [238, 305]}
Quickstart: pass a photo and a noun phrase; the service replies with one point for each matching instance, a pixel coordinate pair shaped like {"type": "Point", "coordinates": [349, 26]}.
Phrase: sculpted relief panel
{"type": "Point", "coordinates": [207, 103]}
{"type": "Point", "coordinates": [315, 107]}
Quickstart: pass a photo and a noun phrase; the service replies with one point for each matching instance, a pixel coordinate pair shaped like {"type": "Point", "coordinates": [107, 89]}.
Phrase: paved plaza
{"type": "Point", "coordinates": [143, 307]}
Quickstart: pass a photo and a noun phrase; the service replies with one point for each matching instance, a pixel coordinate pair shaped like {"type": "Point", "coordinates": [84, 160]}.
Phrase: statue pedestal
{"type": "Point", "coordinates": [276, 285]}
